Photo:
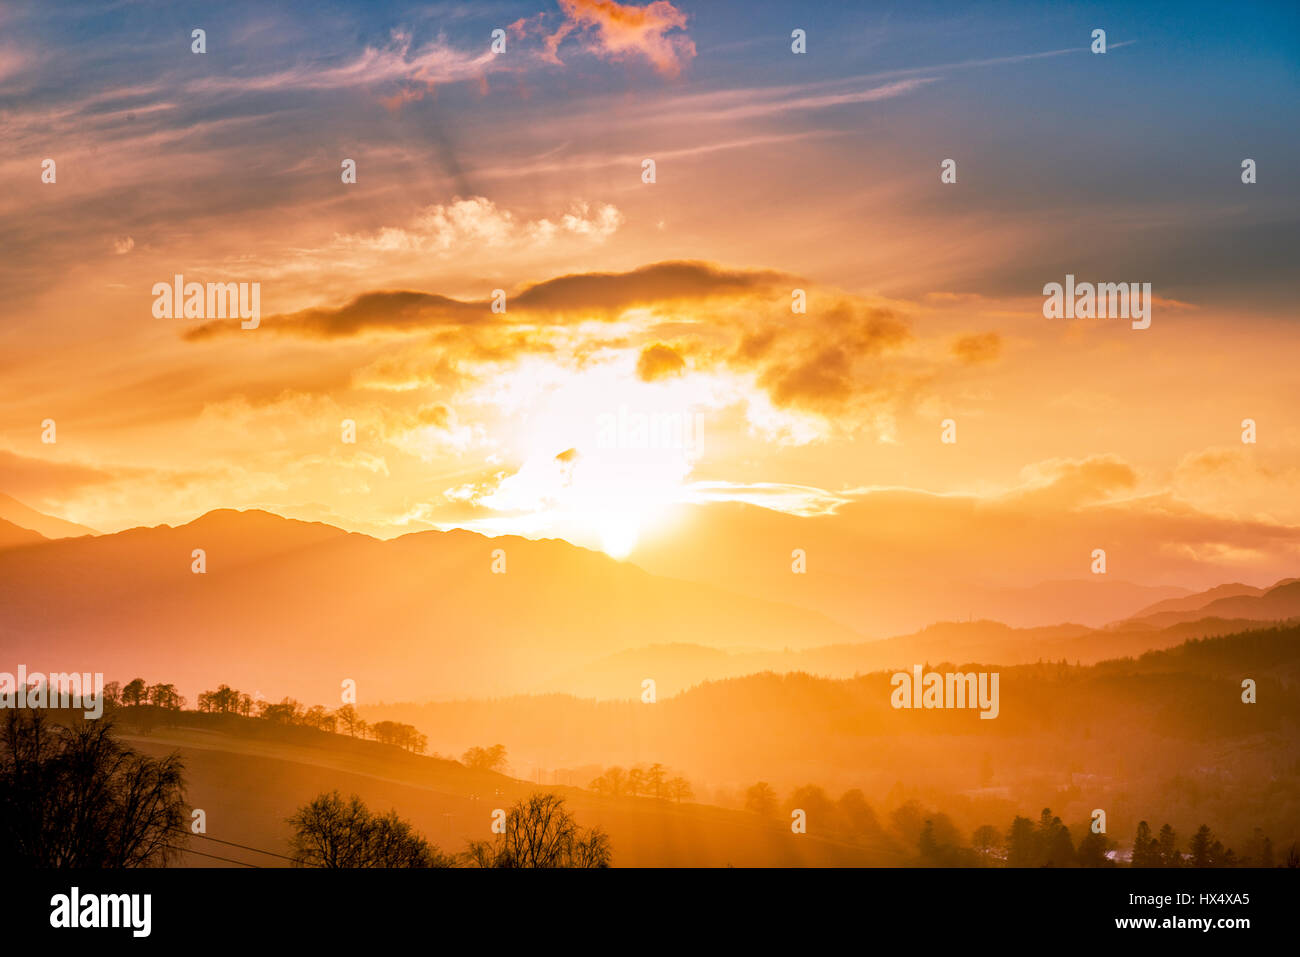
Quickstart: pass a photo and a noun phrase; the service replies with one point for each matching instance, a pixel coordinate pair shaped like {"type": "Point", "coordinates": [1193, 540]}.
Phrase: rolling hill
{"type": "Point", "coordinates": [249, 779]}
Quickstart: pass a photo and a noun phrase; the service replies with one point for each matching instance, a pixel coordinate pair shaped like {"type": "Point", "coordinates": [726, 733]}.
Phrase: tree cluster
{"type": "Point", "coordinates": [76, 797]}
{"type": "Point", "coordinates": [540, 832]}
{"type": "Point", "coordinates": [641, 781]}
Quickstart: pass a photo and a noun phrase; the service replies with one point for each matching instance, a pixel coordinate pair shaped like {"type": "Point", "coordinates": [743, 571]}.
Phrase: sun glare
{"type": "Point", "coordinates": [603, 454]}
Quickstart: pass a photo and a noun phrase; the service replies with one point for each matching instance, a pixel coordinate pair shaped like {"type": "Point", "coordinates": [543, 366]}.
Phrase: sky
{"type": "Point", "coordinates": [522, 170]}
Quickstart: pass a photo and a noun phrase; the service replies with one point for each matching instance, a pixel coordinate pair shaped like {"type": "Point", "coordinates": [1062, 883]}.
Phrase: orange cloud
{"type": "Point", "coordinates": [1068, 483]}
{"type": "Point", "coordinates": [656, 283]}
{"type": "Point", "coordinates": [983, 347]}
{"type": "Point", "coordinates": [386, 311]}
{"type": "Point", "coordinates": [40, 480]}
{"type": "Point", "coordinates": [850, 355]}
{"type": "Point", "coordinates": [726, 321]}
{"type": "Point", "coordinates": [572, 297]}
{"type": "Point", "coordinates": [618, 30]}
{"type": "Point", "coordinates": [827, 359]}
{"type": "Point", "coordinates": [658, 362]}
{"type": "Point", "coordinates": [435, 415]}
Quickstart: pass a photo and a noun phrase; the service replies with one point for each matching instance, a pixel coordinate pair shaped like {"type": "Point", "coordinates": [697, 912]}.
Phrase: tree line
{"type": "Point", "coordinates": [225, 700]}
{"type": "Point", "coordinates": [641, 781]}
{"type": "Point", "coordinates": [1045, 842]}
{"type": "Point", "coordinates": [287, 711]}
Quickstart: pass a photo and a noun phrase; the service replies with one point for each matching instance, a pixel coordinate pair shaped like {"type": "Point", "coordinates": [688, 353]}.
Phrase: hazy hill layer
{"type": "Point", "coordinates": [868, 569]}
{"type": "Point", "coordinates": [677, 667]}
{"type": "Point", "coordinates": [1279, 603]}
{"type": "Point", "coordinates": [288, 607]}
{"type": "Point", "coordinates": [1166, 730]}
{"type": "Point", "coordinates": [12, 510]}
{"type": "Point", "coordinates": [11, 535]}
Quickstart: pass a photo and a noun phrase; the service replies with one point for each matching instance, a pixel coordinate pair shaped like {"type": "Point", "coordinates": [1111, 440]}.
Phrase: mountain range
{"type": "Point", "coordinates": [282, 606]}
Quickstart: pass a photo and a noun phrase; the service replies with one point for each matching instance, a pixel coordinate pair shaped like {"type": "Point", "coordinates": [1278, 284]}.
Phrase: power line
{"type": "Point", "coordinates": [228, 860]}
{"type": "Point", "coordinates": [256, 850]}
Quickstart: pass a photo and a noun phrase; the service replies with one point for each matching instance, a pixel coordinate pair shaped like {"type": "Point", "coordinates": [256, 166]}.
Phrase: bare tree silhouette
{"type": "Point", "coordinates": [540, 832]}
{"type": "Point", "coordinates": [75, 796]}
{"type": "Point", "coordinates": [332, 833]}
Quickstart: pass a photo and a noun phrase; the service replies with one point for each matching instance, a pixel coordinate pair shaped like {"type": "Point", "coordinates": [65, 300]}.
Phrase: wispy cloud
{"type": "Point", "coordinates": [398, 62]}
{"type": "Point", "coordinates": [592, 161]}
{"type": "Point", "coordinates": [746, 104]}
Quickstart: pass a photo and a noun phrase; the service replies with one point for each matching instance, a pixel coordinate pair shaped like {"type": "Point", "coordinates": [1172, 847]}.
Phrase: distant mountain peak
{"type": "Point", "coordinates": [11, 535]}
{"type": "Point", "coordinates": [47, 526]}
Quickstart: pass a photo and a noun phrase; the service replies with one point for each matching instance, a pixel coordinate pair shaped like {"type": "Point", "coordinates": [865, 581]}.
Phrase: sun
{"type": "Point", "coordinates": [619, 534]}
{"type": "Point", "coordinates": [603, 454]}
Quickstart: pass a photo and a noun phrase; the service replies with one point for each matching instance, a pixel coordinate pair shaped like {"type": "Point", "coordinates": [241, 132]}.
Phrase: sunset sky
{"type": "Point", "coordinates": [522, 171]}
